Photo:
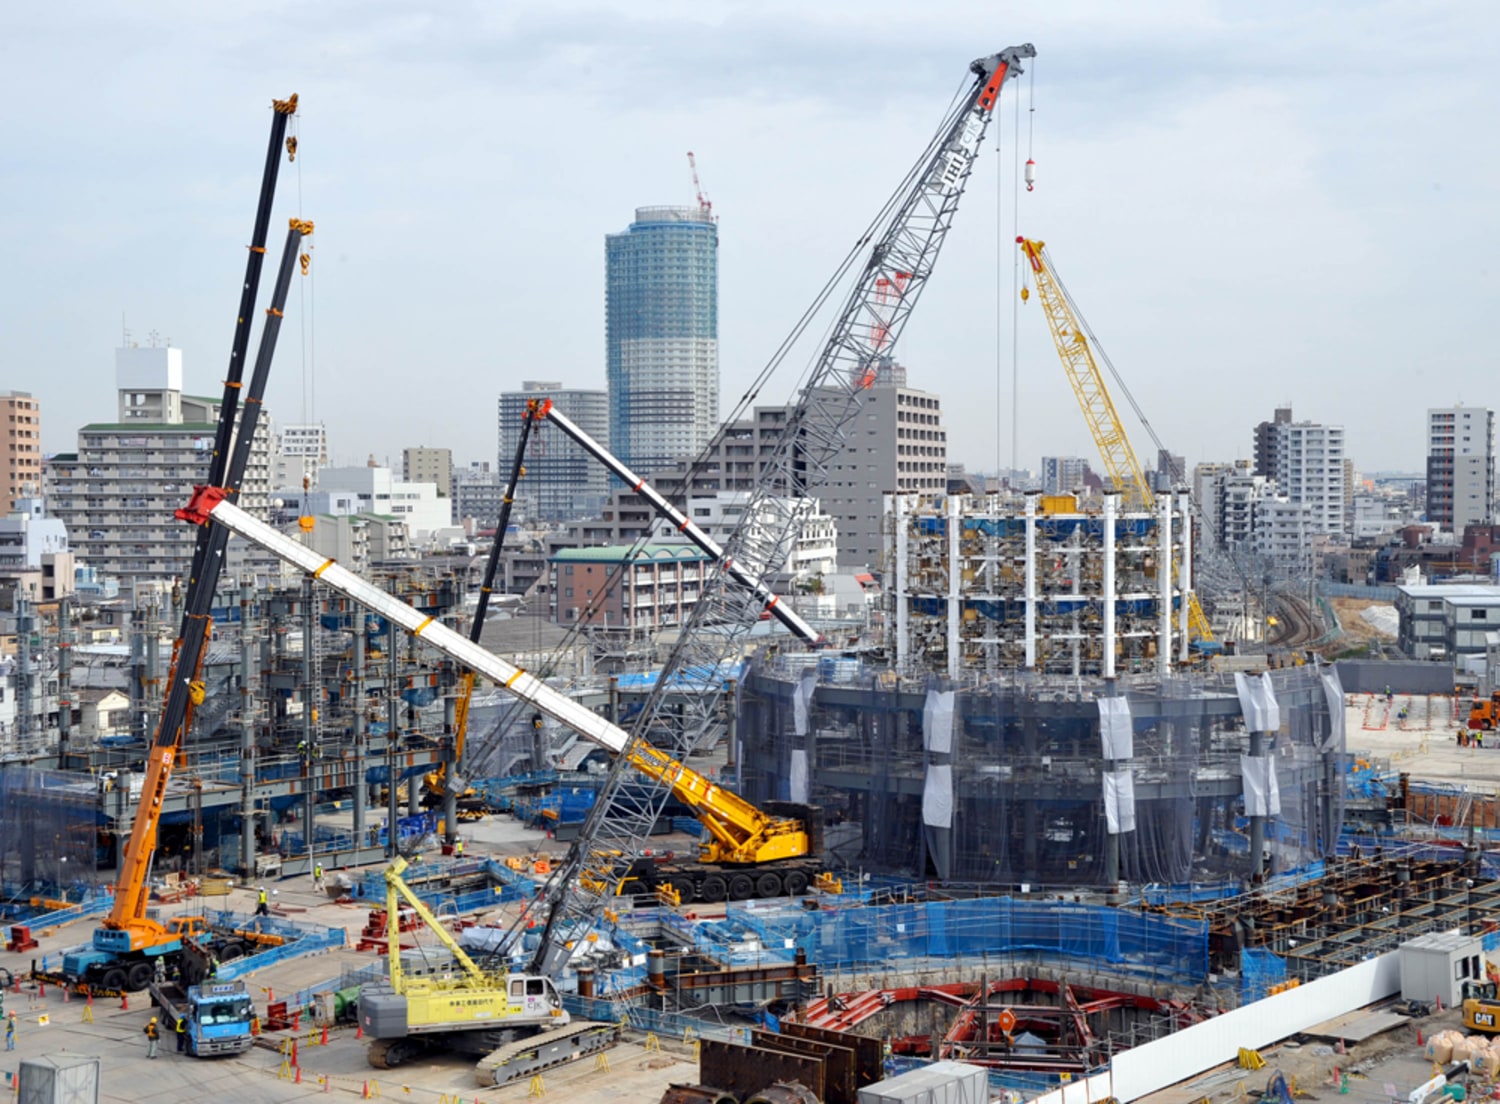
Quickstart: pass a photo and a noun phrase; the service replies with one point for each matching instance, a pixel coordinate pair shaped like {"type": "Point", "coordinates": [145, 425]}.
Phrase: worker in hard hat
{"type": "Point", "coordinates": [153, 1033]}
{"type": "Point", "coordinates": [261, 908]}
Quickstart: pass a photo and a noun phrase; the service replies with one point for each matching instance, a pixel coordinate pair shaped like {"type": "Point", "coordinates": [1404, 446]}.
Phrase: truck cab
{"type": "Point", "coordinates": [219, 1016]}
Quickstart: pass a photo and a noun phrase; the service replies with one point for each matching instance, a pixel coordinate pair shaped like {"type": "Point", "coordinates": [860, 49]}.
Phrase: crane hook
{"type": "Point", "coordinates": [291, 147]}
{"type": "Point", "coordinates": [1030, 175]}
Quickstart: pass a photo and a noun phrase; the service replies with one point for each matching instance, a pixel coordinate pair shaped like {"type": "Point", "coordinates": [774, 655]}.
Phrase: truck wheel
{"type": "Point", "coordinates": [686, 891]}
{"type": "Point", "coordinates": [768, 885]}
{"type": "Point", "coordinates": [139, 976]}
{"type": "Point", "coordinates": [714, 889]}
{"type": "Point", "coordinates": [115, 979]}
{"type": "Point", "coordinates": [7, 979]}
{"type": "Point", "coordinates": [796, 883]}
{"type": "Point", "coordinates": [231, 951]}
{"type": "Point", "coordinates": [741, 887]}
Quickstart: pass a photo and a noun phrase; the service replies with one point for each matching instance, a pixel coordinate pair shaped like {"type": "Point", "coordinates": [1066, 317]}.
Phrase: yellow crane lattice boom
{"type": "Point", "coordinates": [1094, 400]}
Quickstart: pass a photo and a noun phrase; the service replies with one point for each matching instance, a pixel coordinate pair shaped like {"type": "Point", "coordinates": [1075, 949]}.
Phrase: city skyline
{"type": "Point", "coordinates": [1217, 189]}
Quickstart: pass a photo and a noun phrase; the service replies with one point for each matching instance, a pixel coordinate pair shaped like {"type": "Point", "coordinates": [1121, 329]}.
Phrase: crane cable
{"type": "Point", "coordinates": [747, 399]}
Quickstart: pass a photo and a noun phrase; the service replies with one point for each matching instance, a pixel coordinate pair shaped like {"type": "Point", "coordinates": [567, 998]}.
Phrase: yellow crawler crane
{"type": "Point", "coordinates": [1094, 399]}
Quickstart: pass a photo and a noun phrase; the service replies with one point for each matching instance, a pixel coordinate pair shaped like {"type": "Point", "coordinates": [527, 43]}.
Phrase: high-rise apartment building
{"type": "Point", "coordinates": [1460, 466]}
{"type": "Point", "coordinates": [301, 450]}
{"type": "Point", "coordinates": [21, 458]}
{"type": "Point", "coordinates": [1064, 474]}
{"type": "Point", "coordinates": [477, 495]}
{"type": "Point", "coordinates": [1307, 463]}
{"type": "Point", "coordinates": [661, 325]}
{"type": "Point", "coordinates": [429, 465]}
{"type": "Point", "coordinates": [562, 481]}
{"type": "Point", "coordinates": [117, 493]}
{"type": "Point", "coordinates": [1265, 442]}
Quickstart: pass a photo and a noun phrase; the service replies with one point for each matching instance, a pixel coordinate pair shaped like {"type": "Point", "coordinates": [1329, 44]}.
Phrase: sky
{"type": "Point", "coordinates": [1251, 204]}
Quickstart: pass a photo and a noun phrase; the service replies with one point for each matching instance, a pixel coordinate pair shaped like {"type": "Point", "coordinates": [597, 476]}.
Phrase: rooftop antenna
{"type": "Point", "coordinates": [705, 205]}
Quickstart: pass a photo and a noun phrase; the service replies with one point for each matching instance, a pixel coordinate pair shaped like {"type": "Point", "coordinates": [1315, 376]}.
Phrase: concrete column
{"type": "Point", "coordinates": [1257, 823]}
{"type": "Point", "coordinates": [955, 582]}
{"type": "Point", "coordinates": [1184, 571]}
{"type": "Point", "coordinates": [903, 584]}
{"type": "Point", "coordinates": [247, 733]}
{"type": "Point", "coordinates": [1164, 584]}
{"type": "Point", "coordinates": [1031, 598]}
{"type": "Point", "coordinates": [361, 736]}
{"type": "Point", "coordinates": [1108, 598]}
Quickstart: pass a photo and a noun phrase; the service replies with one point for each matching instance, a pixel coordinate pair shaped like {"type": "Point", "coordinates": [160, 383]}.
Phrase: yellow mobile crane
{"type": "Point", "coordinates": [1094, 399]}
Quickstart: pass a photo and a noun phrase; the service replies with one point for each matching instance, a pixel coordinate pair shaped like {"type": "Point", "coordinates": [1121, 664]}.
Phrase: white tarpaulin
{"type": "Point", "coordinates": [937, 796]}
{"type": "Point", "coordinates": [1258, 702]}
{"type": "Point", "coordinates": [1115, 728]}
{"type": "Point", "coordinates": [798, 777]}
{"type": "Point", "coordinates": [802, 701]}
{"type": "Point", "coordinates": [1333, 690]}
{"type": "Point", "coordinates": [1119, 801]}
{"type": "Point", "coordinates": [937, 721]}
{"type": "Point", "coordinates": [1258, 778]}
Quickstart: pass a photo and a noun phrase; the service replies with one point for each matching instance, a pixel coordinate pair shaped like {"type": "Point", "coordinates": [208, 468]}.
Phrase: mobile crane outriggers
{"type": "Point", "coordinates": [128, 942]}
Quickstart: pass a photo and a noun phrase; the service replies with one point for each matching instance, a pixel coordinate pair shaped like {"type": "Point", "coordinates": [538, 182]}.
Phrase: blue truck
{"type": "Point", "coordinates": [216, 1015]}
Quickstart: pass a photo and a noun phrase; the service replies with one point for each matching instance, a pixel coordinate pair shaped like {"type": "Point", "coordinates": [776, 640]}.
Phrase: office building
{"type": "Point", "coordinates": [477, 495]}
{"type": "Point", "coordinates": [1064, 475]}
{"type": "Point", "coordinates": [1460, 467]}
{"type": "Point", "coordinates": [562, 481]}
{"type": "Point", "coordinates": [662, 336]}
{"type": "Point", "coordinates": [117, 493]}
{"type": "Point", "coordinates": [21, 458]}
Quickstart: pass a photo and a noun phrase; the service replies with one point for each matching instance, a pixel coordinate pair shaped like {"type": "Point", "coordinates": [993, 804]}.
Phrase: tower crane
{"type": "Point", "coordinates": [907, 242]}
{"type": "Point", "coordinates": [705, 205]}
{"type": "Point", "coordinates": [1082, 370]}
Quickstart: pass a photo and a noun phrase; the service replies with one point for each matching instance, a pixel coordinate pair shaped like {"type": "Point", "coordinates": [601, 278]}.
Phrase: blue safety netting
{"type": "Point", "coordinates": [1260, 969]}
{"type": "Point", "coordinates": [1085, 933]}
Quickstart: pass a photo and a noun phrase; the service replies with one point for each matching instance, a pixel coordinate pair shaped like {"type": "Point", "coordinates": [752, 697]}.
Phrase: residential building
{"type": "Point", "coordinates": [21, 456]}
{"type": "Point", "coordinates": [1460, 466]}
{"type": "Point", "coordinates": [429, 465]}
{"type": "Point", "coordinates": [380, 494]}
{"type": "Point", "coordinates": [1243, 502]}
{"type": "Point", "coordinates": [301, 452]}
{"type": "Point", "coordinates": [478, 492]}
{"type": "Point", "coordinates": [661, 584]}
{"type": "Point", "coordinates": [562, 481]}
{"type": "Point", "coordinates": [1265, 442]}
{"type": "Point", "coordinates": [1308, 465]}
{"type": "Point", "coordinates": [34, 553]}
{"type": "Point", "coordinates": [661, 327]}
{"type": "Point", "coordinates": [359, 540]}
{"type": "Point", "coordinates": [1064, 474]}
{"type": "Point", "coordinates": [116, 495]}
{"type": "Point", "coordinates": [814, 553]}
{"type": "Point", "coordinates": [1283, 531]}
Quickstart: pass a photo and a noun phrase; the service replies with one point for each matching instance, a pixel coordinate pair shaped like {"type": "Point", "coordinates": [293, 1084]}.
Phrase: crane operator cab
{"type": "Point", "coordinates": [535, 998]}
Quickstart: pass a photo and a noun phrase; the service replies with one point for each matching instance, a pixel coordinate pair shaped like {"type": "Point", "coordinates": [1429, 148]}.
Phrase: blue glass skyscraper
{"type": "Point", "coordinates": [661, 334]}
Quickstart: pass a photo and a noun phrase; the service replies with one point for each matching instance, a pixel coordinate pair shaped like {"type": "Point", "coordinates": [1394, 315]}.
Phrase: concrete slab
{"type": "Point", "coordinates": [1356, 1027]}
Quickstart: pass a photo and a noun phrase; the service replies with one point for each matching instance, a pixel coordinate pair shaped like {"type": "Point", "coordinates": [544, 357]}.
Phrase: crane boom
{"type": "Point", "coordinates": [1094, 399]}
{"type": "Point", "coordinates": [491, 568]}
{"type": "Point", "coordinates": [861, 340]}
{"type": "Point", "coordinates": [739, 832]}
{"type": "Point", "coordinates": [770, 601]}
{"type": "Point", "coordinates": [127, 927]}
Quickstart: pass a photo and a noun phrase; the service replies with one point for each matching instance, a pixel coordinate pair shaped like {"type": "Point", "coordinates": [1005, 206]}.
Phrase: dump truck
{"type": "Point", "coordinates": [217, 1015]}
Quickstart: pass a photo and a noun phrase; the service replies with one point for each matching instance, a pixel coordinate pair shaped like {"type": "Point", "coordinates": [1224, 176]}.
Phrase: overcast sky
{"type": "Point", "coordinates": [1251, 203]}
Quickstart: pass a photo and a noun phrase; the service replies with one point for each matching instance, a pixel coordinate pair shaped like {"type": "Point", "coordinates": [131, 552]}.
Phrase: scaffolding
{"type": "Point", "coordinates": [989, 583]}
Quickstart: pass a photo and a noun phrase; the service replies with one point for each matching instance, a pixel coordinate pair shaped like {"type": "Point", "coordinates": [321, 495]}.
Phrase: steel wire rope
{"type": "Point", "coordinates": [778, 357]}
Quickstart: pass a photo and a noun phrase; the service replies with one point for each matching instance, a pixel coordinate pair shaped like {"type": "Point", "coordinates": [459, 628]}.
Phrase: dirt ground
{"type": "Point", "coordinates": [1384, 1068]}
{"type": "Point", "coordinates": [1356, 629]}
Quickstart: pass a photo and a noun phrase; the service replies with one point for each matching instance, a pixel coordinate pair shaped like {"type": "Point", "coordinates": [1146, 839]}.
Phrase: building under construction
{"type": "Point", "coordinates": [1040, 781]}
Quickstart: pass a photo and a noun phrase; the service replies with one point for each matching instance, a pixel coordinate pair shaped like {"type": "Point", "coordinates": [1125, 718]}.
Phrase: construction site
{"type": "Point", "coordinates": [1018, 838]}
